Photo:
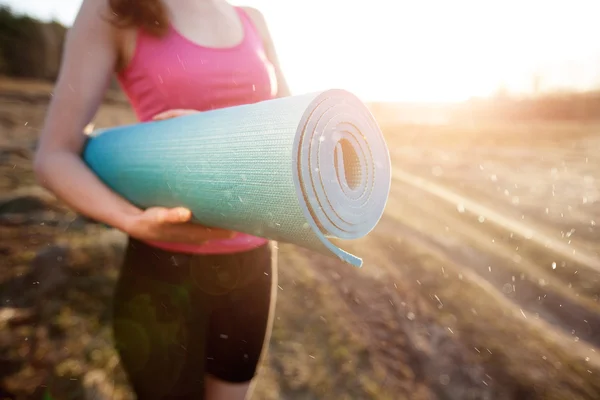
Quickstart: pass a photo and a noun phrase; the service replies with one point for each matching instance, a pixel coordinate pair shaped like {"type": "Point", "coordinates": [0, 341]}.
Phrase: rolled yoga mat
{"type": "Point", "coordinates": [300, 169]}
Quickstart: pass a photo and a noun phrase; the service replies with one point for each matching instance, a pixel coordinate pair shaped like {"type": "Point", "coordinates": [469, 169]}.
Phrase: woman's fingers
{"type": "Point", "coordinates": [172, 114]}
{"type": "Point", "coordinates": [89, 128]}
{"type": "Point", "coordinates": [163, 215]}
{"type": "Point", "coordinates": [164, 115]}
{"type": "Point", "coordinates": [173, 224]}
{"type": "Point", "coordinates": [179, 214]}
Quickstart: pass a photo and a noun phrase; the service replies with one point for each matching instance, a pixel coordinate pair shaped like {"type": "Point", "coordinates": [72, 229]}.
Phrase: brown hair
{"type": "Point", "coordinates": [149, 15]}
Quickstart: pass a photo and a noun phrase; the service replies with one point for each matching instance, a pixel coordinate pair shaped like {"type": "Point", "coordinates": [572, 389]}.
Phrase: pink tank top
{"type": "Point", "coordinates": [173, 72]}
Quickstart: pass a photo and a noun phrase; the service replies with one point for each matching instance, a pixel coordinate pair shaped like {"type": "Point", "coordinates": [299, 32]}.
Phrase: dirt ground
{"type": "Point", "coordinates": [452, 303]}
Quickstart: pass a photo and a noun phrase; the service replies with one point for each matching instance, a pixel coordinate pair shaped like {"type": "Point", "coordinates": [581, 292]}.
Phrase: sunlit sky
{"type": "Point", "coordinates": [427, 50]}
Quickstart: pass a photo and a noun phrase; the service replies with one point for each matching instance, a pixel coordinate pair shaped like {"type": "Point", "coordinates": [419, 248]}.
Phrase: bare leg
{"type": "Point", "coordinates": [217, 389]}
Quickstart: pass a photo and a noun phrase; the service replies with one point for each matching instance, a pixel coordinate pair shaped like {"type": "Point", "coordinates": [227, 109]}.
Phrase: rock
{"type": "Point", "coordinates": [48, 218]}
{"type": "Point", "coordinates": [27, 200]}
{"type": "Point", "coordinates": [7, 151]}
{"type": "Point", "coordinates": [36, 206]}
{"type": "Point", "coordinates": [21, 205]}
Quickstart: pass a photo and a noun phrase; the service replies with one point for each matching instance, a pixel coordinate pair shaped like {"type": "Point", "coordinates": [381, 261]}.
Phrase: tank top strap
{"type": "Point", "coordinates": [247, 22]}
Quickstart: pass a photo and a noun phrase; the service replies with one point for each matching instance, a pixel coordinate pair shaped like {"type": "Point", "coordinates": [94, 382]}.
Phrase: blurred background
{"type": "Point", "coordinates": [482, 280]}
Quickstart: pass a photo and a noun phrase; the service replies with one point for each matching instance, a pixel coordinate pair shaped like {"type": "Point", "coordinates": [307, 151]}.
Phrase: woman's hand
{"type": "Point", "coordinates": [171, 225]}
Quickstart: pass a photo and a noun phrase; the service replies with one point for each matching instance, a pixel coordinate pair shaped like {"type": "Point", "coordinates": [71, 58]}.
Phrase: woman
{"type": "Point", "coordinates": [193, 306]}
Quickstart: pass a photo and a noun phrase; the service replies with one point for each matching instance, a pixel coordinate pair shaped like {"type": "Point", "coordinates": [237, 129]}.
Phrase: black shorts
{"type": "Point", "coordinates": [178, 317]}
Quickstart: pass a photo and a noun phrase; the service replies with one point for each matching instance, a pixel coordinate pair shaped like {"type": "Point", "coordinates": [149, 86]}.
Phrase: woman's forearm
{"type": "Point", "coordinates": [67, 176]}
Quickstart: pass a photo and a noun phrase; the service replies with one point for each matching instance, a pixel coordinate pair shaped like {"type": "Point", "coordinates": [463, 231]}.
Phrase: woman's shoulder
{"type": "Point", "coordinates": [97, 18]}
{"type": "Point", "coordinates": [260, 23]}
{"type": "Point", "coordinates": [257, 19]}
{"type": "Point", "coordinates": [253, 12]}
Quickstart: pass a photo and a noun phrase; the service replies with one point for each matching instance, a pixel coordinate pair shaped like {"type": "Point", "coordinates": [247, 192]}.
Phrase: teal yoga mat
{"type": "Point", "coordinates": [300, 169]}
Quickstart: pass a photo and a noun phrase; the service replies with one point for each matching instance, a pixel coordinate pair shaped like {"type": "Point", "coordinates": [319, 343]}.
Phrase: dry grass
{"type": "Point", "coordinates": [423, 319]}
